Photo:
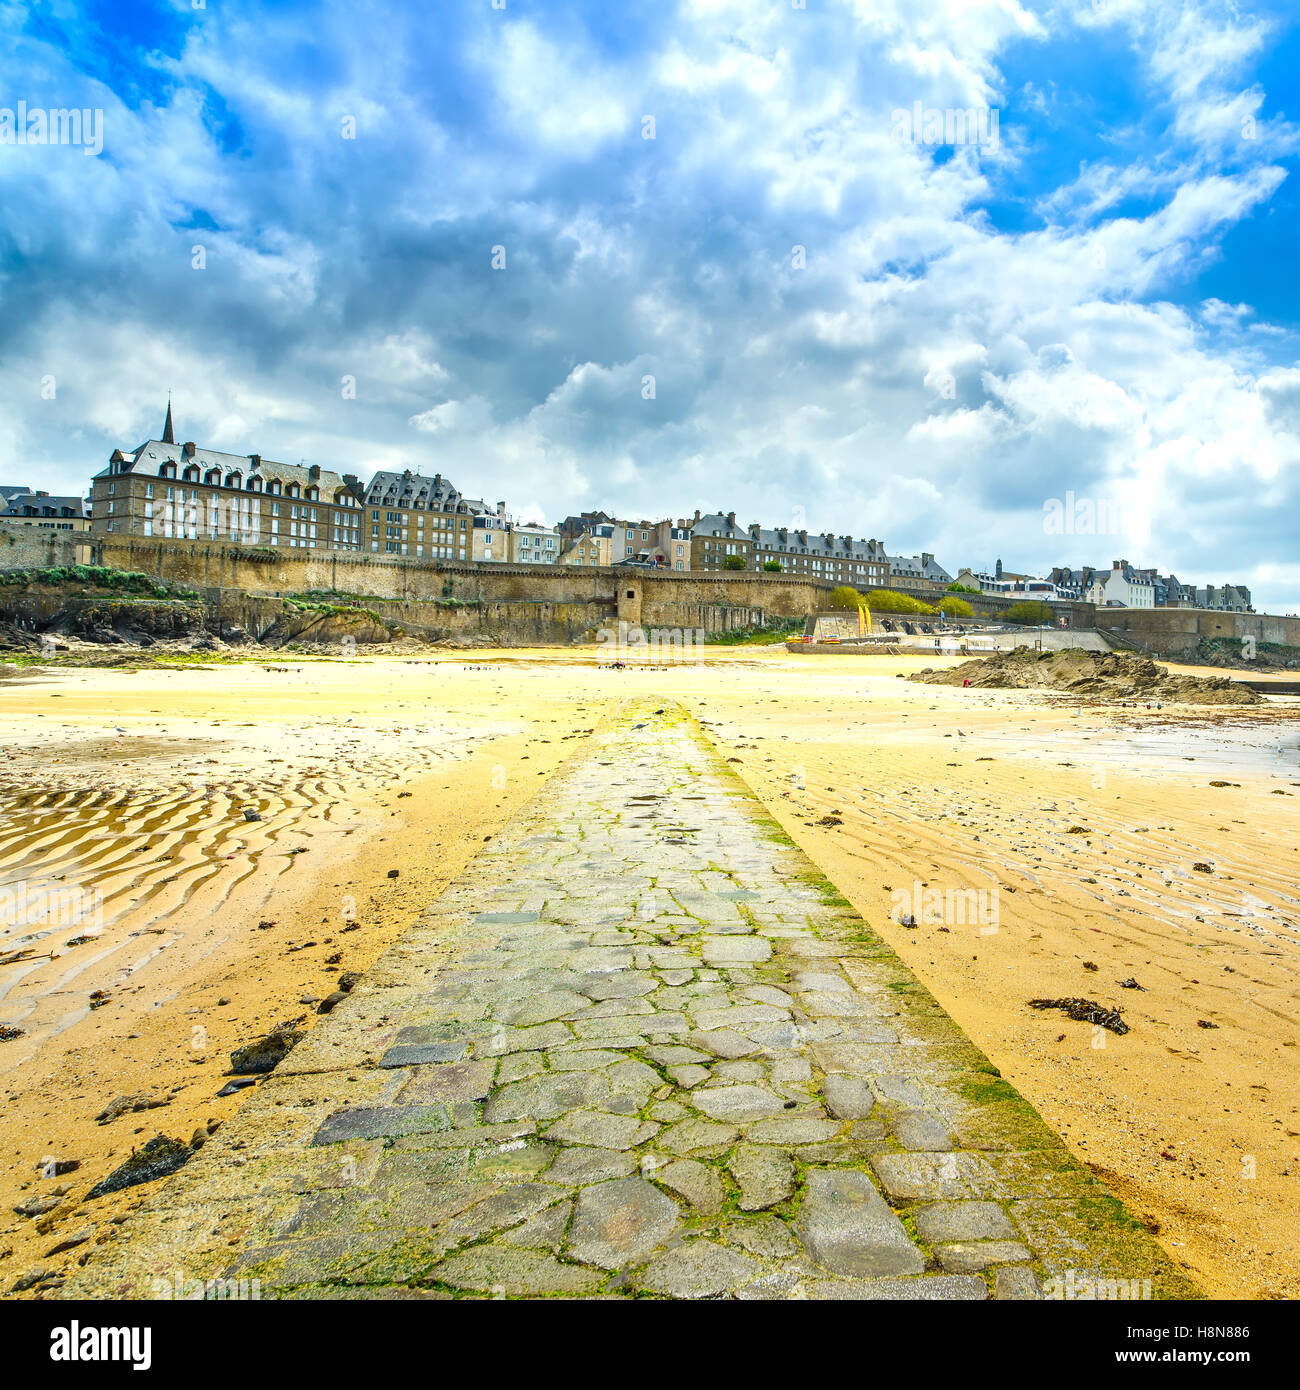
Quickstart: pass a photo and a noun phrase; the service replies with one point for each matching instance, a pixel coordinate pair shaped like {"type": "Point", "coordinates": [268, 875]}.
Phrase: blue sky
{"type": "Point", "coordinates": [1100, 304]}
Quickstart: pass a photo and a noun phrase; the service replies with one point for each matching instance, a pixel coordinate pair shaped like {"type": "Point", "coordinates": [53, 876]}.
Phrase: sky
{"type": "Point", "coordinates": [676, 254]}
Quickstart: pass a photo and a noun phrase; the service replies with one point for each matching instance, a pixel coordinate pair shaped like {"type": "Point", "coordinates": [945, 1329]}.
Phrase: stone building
{"type": "Point", "coordinates": [410, 514]}
{"type": "Point", "coordinates": [593, 546]}
{"type": "Point", "coordinates": [653, 544]}
{"type": "Point", "coordinates": [181, 492]}
{"type": "Point", "coordinates": [715, 538]}
{"type": "Point", "coordinates": [534, 543]}
{"type": "Point", "coordinates": [920, 575]}
{"type": "Point", "coordinates": [837, 559]}
{"type": "Point", "coordinates": [25, 506]}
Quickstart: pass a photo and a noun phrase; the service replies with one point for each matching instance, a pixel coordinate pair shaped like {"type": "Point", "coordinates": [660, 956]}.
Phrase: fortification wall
{"type": "Point", "coordinates": [1178, 631]}
{"type": "Point", "coordinates": [37, 547]}
{"type": "Point", "coordinates": [564, 601]}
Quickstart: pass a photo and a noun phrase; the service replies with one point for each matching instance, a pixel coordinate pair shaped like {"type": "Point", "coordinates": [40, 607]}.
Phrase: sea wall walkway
{"type": "Point", "coordinates": [640, 1048]}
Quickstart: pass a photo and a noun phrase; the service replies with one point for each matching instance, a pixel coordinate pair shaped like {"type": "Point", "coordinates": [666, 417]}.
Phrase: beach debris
{"type": "Point", "coordinates": [99, 998]}
{"type": "Point", "coordinates": [266, 1053]}
{"type": "Point", "coordinates": [237, 1084]}
{"type": "Point", "coordinates": [251, 814]}
{"type": "Point", "coordinates": [8, 1032]}
{"type": "Point", "coordinates": [1090, 965]}
{"type": "Point", "coordinates": [1130, 983]}
{"type": "Point", "coordinates": [1225, 784]}
{"type": "Point", "coordinates": [1085, 1011]}
{"type": "Point", "coordinates": [393, 873]}
{"type": "Point", "coordinates": [265, 926]}
{"type": "Point", "coordinates": [831, 820]}
{"type": "Point", "coordinates": [1201, 867]}
{"type": "Point", "coordinates": [78, 940]}
{"type": "Point", "coordinates": [56, 1167]}
{"type": "Point", "coordinates": [1205, 1023]}
{"type": "Point", "coordinates": [159, 1158]}
{"type": "Point", "coordinates": [1078, 830]}
{"type": "Point", "coordinates": [130, 1105]}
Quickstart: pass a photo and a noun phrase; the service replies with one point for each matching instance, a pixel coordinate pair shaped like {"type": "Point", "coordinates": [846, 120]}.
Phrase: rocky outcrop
{"type": "Point", "coordinates": [1108, 676]}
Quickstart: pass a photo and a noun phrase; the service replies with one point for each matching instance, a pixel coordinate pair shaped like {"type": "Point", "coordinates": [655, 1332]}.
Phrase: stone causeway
{"type": "Point", "coordinates": [640, 1049]}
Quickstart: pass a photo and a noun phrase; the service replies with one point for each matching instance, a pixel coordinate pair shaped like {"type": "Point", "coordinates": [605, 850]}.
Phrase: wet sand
{"type": "Point", "coordinates": [389, 764]}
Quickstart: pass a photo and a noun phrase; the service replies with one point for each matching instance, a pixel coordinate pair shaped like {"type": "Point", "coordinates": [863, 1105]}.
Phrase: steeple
{"type": "Point", "coordinates": [169, 435]}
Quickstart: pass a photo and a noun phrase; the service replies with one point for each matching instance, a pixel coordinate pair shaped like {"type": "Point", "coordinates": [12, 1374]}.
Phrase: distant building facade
{"type": "Point", "coordinates": [861, 564]}
{"type": "Point", "coordinates": [181, 492]}
{"type": "Point", "coordinates": [24, 506]}
{"type": "Point", "coordinates": [1122, 587]}
{"type": "Point", "coordinates": [410, 514]}
{"type": "Point", "coordinates": [920, 575]}
{"type": "Point", "coordinates": [534, 543]}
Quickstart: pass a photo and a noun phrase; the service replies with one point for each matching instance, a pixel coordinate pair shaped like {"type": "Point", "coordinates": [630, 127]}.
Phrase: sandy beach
{"type": "Point", "coordinates": [230, 830]}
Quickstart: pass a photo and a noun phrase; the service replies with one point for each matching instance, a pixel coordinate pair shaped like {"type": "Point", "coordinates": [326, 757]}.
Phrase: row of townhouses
{"type": "Point", "coordinates": [1121, 586]}
{"type": "Point", "coordinates": [180, 491]}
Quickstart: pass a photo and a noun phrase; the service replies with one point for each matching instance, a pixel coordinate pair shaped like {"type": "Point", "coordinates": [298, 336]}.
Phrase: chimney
{"type": "Point", "coordinates": [697, 516]}
{"type": "Point", "coordinates": [926, 557]}
{"type": "Point", "coordinates": [254, 461]}
{"type": "Point", "coordinates": [187, 450]}
{"type": "Point", "coordinates": [314, 472]}
{"type": "Point", "coordinates": [754, 530]}
{"type": "Point", "coordinates": [731, 519]}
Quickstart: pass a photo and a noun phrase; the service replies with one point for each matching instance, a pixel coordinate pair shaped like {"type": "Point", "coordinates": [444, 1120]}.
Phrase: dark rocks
{"type": "Point", "coordinates": [159, 1158]}
{"type": "Point", "coordinates": [130, 1105]}
{"type": "Point", "coordinates": [331, 1001]}
{"type": "Point", "coordinates": [231, 1087]}
{"type": "Point", "coordinates": [71, 1242]}
{"type": "Point", "coordinates": [267, 1053]}
{"type": "Point", "coordinates": [37, 1206]}
{"type": "Point", "coordinates": [57, 1167]}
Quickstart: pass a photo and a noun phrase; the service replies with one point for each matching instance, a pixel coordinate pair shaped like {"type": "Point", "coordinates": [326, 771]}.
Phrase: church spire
{"type": "Point", "coordinates": [169, 435]}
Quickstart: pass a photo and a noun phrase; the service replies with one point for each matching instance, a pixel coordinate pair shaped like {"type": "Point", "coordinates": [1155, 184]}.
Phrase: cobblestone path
{"type": "Point", "coordinates": [640, 1048]}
